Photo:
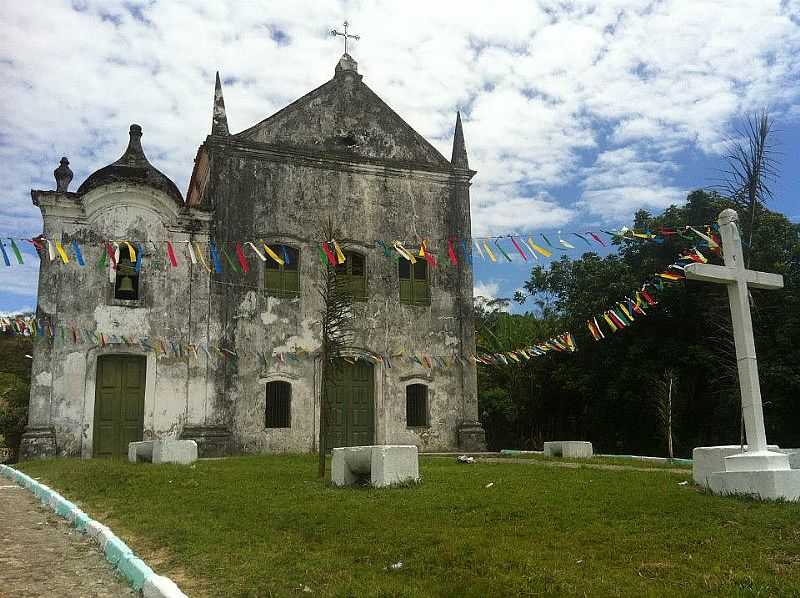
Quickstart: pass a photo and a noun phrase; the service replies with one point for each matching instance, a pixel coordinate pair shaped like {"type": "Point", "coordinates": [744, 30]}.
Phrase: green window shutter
{"type": "Point", "coordinates": [291, 282]}
{"type": "Point", "coordinates": [406, 291]}
{"type": "Point", "coordinates": [422, 291]}
{"type": "Point", "coordinates": [422, 294]}
{"type": "Point", "coordinates": [273, 280]}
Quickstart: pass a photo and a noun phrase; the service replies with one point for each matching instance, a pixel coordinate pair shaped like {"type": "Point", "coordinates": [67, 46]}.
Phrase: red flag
{"type": "Point", "coordinates": [242, 259]}
{"type": "Point", "coordinates": [110, 252]}
{"type": "Point", "coordinates": [451, 252]}
{"type": "Point", "coordinates": [329, 253]}
{"type": "Point", "coordinates": [171, 254]}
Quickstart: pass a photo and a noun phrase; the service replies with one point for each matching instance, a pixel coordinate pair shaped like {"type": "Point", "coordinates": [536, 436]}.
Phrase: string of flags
{"type": "Point", "coordinates": [563, 343]}
{"type": "Point", "coordinates": [165, 347]}
{"type": "Point", "coordinates": [614, 319]}
{"type": "Point", "coordinates": [237, 255]}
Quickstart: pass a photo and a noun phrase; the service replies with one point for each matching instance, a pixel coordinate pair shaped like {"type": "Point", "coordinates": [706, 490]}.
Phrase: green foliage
{"type": "Point", "coordinates": [604, 392]}
{"type": "Point", "coordinates": [15, 375]}
{"type": "Point", "coordinates": [265, 526]}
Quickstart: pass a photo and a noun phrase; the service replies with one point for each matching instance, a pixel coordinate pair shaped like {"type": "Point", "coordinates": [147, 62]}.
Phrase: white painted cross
{"type": "Point", "coordinates": [737, 278]}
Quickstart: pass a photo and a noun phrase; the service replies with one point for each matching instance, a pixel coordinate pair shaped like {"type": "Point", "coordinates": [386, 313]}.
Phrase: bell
{"type": "Point", "coordinates": [126, 285]}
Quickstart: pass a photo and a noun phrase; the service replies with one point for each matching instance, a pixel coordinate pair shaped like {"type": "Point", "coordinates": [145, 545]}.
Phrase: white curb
{"type": "Point", "coordinates": [132, 568]}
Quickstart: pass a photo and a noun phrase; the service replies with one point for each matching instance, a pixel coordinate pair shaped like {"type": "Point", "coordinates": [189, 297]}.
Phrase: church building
{"type": "Point", "coordinates": [198, 317]}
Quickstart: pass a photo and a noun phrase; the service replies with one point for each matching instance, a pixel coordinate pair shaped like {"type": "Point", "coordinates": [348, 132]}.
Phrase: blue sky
{"type": "Point", "coordinates": [575, 113]}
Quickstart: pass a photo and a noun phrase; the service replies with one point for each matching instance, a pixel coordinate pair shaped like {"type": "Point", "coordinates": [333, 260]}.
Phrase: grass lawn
{"type": "Point", "coordinates": [265, 526]}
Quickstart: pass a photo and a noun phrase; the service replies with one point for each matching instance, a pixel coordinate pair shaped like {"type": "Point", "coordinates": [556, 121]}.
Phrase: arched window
{"type": "Point", "coordinates": [416, 405]}
{"type": "Point", "coordinates": [283, 280]}
{"type": "Point", "coordinates": [353, 275]}
{"type": "Point", "coordinates": [414, 285]}
{"type": "Point", "coordinates": [278, 412]}
{"type": "Point", "coordinates": [126, 279]}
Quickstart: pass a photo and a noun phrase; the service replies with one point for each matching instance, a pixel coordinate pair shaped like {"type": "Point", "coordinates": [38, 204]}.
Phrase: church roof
{"type": "Point", "coordinates": [133, 166]}
{"type": "Point", "coordinates": [344, 116]}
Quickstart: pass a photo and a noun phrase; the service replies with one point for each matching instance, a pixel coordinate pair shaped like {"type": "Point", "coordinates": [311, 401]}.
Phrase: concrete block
{"type": "Point", "coordinates": [766, 485]}
{"type": "Point", "coordinates": [710, 459]}
{"type": "Point", "coordinates": [115, 549]}
{"type": "Point", "coordinates": [394, 465]}
{"type": "Point", "coordinates": [140, 452]}
{"type": "Point", "coordinates": [183, 452]}
{"type": "Point", "coordinates": [161, 587]}
{"type": "Point", "coordinates": [573, 449]}
{"type": "Point", "coordinates": [381, 465]}
{"type": "Point", "coordinates": [134, 570]}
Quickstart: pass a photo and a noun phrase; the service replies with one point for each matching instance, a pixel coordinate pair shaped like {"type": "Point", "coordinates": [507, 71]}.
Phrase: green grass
{"type": "Point", "coordinates": [265, 526]}
{"type": "Point", "coordinates": [606, 460]}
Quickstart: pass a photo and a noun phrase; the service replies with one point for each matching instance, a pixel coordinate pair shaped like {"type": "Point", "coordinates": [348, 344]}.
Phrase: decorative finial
{"type": "Point", "coordinates": [219, 119]}
{"type": "Point", "coordinates": [63, 176]}
{"type": "Point", "coordinates": [459, 159]}
{"type": "Point", "coordinates": [345, 35]}
{"type": "Point", "coordinates": [134, 154]}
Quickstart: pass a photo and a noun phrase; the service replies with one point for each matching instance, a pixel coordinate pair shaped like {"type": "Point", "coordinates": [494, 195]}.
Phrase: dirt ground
{"type": "Point", "coordinates": [41, 555]}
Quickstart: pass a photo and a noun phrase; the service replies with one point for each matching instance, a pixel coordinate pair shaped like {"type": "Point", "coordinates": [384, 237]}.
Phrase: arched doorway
{"type": "Point", "coordinates": [351, 405]}
{"type": "Point", "coordinates": [118, 404]}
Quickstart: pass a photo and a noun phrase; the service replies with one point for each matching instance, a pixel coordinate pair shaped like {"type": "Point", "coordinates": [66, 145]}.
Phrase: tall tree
{"type": "Point", "coordinates": [752, 167]}
{"type": "Point", "coordinates": [336, 323]}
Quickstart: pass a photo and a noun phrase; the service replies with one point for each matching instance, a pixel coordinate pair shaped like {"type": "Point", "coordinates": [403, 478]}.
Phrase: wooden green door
{"type": "Point", "coordinates": [351, 406]}
{"type": "Point", "coordinates": [118, 404]}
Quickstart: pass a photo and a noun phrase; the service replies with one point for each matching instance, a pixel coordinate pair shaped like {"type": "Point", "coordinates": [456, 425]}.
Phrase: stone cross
{"type": "Point", "coordinates": [737, 278]}
{"type": "Point", "coordinates": [345, 35]}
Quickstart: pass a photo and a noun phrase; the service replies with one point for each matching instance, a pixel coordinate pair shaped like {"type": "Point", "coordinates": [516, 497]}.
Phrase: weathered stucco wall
{"type": "Point", "coordinates": [173, 304]}
{"type": "Point", "coordinates": [285, 198]}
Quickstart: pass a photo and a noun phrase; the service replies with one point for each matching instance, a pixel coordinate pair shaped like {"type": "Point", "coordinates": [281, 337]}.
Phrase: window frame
{"type": "Point", "coordinates": [272, 266]}
{"type": "Point", "coordinates": [424, 411]}
{"type": "Point", "coordinates": [348, 276]}
{"type": "Point", "coordinates": [413, 282]}
{"type": "Point", "coordinates": [287, 416]}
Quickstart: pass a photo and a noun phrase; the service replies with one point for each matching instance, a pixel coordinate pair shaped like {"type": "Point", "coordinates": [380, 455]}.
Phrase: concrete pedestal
{"type": "Point", "coordinates": [37, 443]}
{"type": "Point", "coordinates": [574, 449]}
{"type": "Point", "coordinates": [471, 437]}
{"type": "Point", "coordinates": [709, 459]}
{"type": "Point", "coordinates": [183, 452]}
{"type": "Point", "coordinates": [768, 485]}
{"type": "Point", "coordinates": [766, 475]}
{"type": "Point", "coordinates": [382, 465]}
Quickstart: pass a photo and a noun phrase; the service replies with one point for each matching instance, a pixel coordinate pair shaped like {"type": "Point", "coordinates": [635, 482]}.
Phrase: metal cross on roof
{"type": "Point", "coordinates": [345, 35]}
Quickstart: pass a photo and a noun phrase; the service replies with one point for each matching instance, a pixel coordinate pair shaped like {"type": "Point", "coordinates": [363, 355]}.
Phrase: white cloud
{"type": "Point", "coordinates": [589, 95]}
{"type": "Point", "coordinates": [488, 290]}
{"type": "Point", "coordinates": [15, 312]}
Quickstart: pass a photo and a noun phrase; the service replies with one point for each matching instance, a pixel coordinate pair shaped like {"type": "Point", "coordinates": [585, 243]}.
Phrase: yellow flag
{"type": "Point", "coordinates": [541, 250]}
{"type": "Point", "coordinates": [271, 253]}
{"type": "Point", "coordinates": [61, 252]}
{"type": "Point", "coordinates": [489, 251]}
{"type": "Point", "coordinates": [339, 254]}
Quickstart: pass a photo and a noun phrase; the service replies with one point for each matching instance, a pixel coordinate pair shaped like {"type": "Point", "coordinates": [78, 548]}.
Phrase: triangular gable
{"type": "Point", "coordinates": [345, 116]}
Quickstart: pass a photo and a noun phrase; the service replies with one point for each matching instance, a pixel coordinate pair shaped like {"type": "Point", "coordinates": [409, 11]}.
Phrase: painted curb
{"type": "Point", "coordinates": [138, 575]}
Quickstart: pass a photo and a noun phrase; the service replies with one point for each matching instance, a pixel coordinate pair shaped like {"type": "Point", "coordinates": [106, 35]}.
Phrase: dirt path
{"type": "Point", "coordinates": [686, 472]}
{"type": "Point", "coordinates": [41, 555]}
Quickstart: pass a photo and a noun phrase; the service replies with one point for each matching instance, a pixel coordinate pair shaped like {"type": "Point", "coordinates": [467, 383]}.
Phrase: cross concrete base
{"type": "Point", "coordinates": [763, 474]}
{"type": "Point", "coordinates": [382, 465]}
{"type": "Point", "coordinates": [709, 459]}
{"type": "Point", "coordinates": [767, 485]}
